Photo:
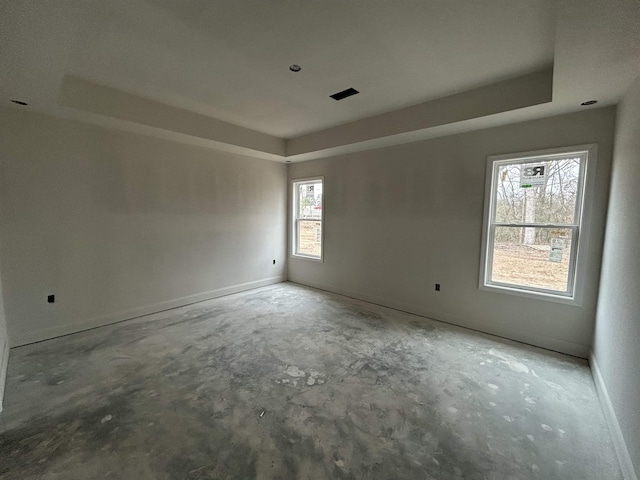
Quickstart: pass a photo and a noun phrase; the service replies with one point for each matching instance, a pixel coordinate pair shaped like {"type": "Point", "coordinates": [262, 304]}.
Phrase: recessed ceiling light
{"type": "Point", "coordinates": [590, 102]}
{"type": "Point", "coordinates": [19, 102]}
{"type": "Point", "coordinates": [295, 68]}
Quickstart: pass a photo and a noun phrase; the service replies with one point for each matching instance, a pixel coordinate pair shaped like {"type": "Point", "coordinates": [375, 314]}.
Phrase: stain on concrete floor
{"type": "Point", "coordinates": [288, 382]}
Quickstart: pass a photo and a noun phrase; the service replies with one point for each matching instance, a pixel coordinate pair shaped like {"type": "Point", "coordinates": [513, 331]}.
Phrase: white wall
{"type": "Point", "coordinates": [617, 337]}
{"type": "Point", "coordinates": [117, 224]}
{"type": "Point", "coordinates": [4, 347]}
{"type": "Point", "coordinates": [400, 219]}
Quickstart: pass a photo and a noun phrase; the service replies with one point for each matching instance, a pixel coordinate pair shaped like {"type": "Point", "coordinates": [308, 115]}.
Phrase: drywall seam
{"type": "Point", "coordinates": [557, 345]}
{"type": "Point", "coordinates": [626, 465]}
{"type": "Point", "coordinates": [4, 363]}
{"type": "Point", "coordinates": [57, 331]}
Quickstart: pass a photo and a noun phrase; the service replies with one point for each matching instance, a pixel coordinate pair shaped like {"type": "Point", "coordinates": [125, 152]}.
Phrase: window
{"type": "Point", "coordinates": [534, 223]}
{"type": "Point", "coordinates": [307, 218]}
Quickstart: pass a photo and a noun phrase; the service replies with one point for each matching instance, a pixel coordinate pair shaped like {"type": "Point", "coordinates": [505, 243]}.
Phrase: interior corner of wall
{"type": "Point", "coordinates": [620, 446]}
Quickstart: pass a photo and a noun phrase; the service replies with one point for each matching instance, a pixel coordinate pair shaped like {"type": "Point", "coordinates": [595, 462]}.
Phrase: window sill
{"type": "Point", "coordinates": [307, 257]}
{"type": "Point", "coordinates": [532, 294]}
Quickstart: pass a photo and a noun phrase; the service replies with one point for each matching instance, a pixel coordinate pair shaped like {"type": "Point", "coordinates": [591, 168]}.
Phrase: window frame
{"type": "Point", "coordinates": [580, 228]}
{"type": "Point", "coordinates": [295, 183]}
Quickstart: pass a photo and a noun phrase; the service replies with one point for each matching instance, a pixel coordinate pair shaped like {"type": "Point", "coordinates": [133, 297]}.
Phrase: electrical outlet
{"type": "Point", "coordinates": [274, 262]}
{"type": "Point", "coordinates": [51, 298]}
{"type": "Point", "coordinates": [437, 287]}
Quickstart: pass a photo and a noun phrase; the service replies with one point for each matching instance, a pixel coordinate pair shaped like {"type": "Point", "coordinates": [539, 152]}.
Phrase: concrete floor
{"type": "Point", "coordinates": [287, 382]}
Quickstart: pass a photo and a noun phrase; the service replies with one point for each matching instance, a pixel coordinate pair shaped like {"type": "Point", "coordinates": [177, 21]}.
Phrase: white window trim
{"type": "Point", "coordinates": [294, 218]}
{"type": "Point", "coordinates": [580, 247]}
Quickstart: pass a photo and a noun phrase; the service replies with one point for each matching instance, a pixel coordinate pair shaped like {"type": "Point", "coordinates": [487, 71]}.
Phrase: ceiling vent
{"type": "Point", "coordinates": [344, 94]}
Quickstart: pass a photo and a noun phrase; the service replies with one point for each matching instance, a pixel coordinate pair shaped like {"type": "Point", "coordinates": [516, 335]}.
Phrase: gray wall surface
{"type": "Point", "coordinates": [400, 219]}
{"type": "Point", "coordinates": [117, 224]}
{"type": "Point", "coordinates": [617, 337]}
{"type": "Point", "coordinates": [4, 346]}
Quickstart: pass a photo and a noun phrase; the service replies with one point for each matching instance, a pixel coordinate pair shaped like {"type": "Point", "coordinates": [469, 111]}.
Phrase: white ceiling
{"type": "Point", "coordinates": [228, 59]}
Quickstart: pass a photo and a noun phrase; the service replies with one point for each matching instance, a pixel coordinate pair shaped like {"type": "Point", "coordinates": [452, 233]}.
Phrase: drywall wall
{"type": "Point", "coordinates": [400, 219]}
{"type": "Point", "coordinates": [617, 336]}
{"type": "Point", "coordinates": [4, 347]}
{"type": "Point", "coordinates": [117, 224]}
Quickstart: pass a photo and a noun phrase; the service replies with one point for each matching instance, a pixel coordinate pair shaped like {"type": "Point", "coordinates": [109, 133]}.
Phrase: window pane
{"type": "Point", "coordinates": [310, 200]}
{"type": "Point", "coordinates": [309, 237]}
{"type": "Point", "coordinates": [532, 257]}
{"type": "Point", "coordinates": [538, 192]}
{"type": "Point", "coordinates": [308, 218]}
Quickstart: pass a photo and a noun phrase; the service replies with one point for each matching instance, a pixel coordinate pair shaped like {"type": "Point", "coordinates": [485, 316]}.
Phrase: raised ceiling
{"type": "Point", "coordinates": [222, 66]}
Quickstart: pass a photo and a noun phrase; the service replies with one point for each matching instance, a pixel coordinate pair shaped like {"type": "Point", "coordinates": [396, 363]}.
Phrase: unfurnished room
{"type": "Point", "coordinates": [320, 239]}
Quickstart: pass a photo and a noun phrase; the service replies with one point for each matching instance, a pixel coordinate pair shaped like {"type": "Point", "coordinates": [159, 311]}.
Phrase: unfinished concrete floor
{"type": "Point", "coordinates": [287, 382]}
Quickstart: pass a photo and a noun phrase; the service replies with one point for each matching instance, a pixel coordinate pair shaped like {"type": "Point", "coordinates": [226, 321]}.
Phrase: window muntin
{"type": "Point", "coordinates": [534, 221]}
{"type": "Point", "coordinates": [307, 218]}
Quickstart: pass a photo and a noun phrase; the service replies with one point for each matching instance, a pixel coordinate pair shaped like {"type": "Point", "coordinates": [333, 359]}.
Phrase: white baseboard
{"type": "Point", "coordinates": [626, 465]}
{"type": "Point", "coordinates": [557, 345]}
{"type": "Point", "coordinates": [4, 363]}
{"type": "Point", "coordinates": [59, 330]}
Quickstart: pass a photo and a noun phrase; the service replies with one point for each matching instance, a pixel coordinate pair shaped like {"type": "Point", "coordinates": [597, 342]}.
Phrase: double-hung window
{"type": "Point", "coordinates": [534, 222]}
{"type": "Point", "coordinates": [307, 218]}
